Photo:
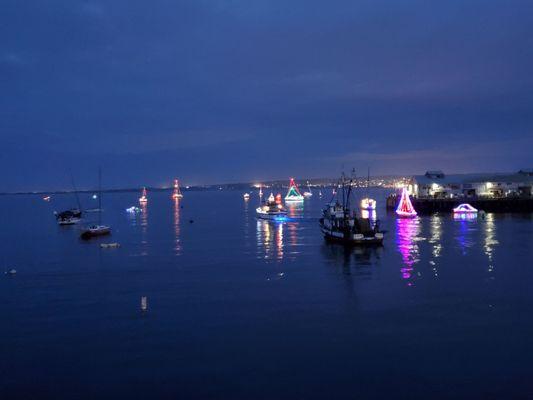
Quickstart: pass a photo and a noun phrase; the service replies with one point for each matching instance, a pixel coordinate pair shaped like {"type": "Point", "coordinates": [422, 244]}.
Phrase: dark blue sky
{"type": "Point", "coordinates": [221, 91]}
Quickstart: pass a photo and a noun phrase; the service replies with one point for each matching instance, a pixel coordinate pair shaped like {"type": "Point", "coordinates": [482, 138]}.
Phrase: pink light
{"type": "Point", "coordinates": [405, 207]}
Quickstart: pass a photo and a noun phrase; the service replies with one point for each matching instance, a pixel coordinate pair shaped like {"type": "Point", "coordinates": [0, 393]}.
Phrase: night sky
{"type": "Point", "coordinates": [231, 91]}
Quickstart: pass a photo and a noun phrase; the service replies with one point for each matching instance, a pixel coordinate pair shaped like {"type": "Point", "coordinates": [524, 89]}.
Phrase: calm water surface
{"type": "Point", "coordinates": [247, 309]}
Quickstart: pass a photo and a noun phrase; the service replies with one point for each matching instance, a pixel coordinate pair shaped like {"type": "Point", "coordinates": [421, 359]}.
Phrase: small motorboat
{"type": "Point", "coordinates": [46, 198]}
{"type": "Point", "coordinates": [368, 204]}
{"type": "Point", "coordinates": [272, 210]}
{"type": "Point", "coordinates": [95, 231]}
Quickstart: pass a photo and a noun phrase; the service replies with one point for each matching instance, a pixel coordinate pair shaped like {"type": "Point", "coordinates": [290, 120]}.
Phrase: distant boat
{"type": "Point", "coordinates": [143, 199]}
{"type": "Point", "coordinates": [368, 204]}
{"type": "Point", "coordinates": [465, 208]}
{"type": "Point", "coordinates": [73, 215]}
{"type": "Point", "coordinates": [246, 196]}
{"type": "Point", "coordinates": [46, 198]}
{"type": "Point", "coordinates": [97, 229]}
{"type": "Point", "coordinates": [68, 217]}
{"type": "Point", "coordinates": [272, 209]}
{"type": "Point", "coordinates": [293, 194]}
{"type": "Point", "coordinates": [308, 193]}
{"type": "Point", "coordinates": [176, 194]}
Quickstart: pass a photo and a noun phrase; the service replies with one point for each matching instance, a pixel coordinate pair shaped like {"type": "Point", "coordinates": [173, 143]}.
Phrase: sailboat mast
{"type": "Point", "coordinates": [75, 191]}
{"type": "Point", "coordinates": [99, 195]}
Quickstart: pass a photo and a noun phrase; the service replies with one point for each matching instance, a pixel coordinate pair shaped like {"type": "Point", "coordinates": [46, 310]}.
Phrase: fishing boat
{"type": "Point", "coordinates": [293, 194]}
{"type": "Point", "coordinates": [176, 194]}
{"type": "Point", "coordinates": [272, 209]}
{"type": "Point", "coordinates": [96, 230]}
{"type": "Point", "coordinates": [143, 199]}
{"type": "Point", "coordinates": [405, 208]}
{"type": "Point", "coordinates": [339, 224]}
{"type": "Point", "coordinates": [308, 192]}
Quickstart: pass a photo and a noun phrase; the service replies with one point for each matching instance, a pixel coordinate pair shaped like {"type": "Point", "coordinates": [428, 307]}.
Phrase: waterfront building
{"type": "Point", "coordinates": [438, 185]}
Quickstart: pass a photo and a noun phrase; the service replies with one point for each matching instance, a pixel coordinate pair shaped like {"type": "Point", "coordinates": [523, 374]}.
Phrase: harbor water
{"type": "Point", "coordinates": [238, 308]}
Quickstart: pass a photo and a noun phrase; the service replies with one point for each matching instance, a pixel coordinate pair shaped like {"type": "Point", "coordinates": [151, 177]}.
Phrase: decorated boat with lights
{"type": "Point", "coordinates": [272, 209]}
{"type": "Point", "coordinates": [340, 224]}
{"type": "Point", "coordinates": [368, 204]}
{"type": "Point", "coordinates": [144, 198]}
{"type": "Point", "coordinates": [176, 193]}
{"type": "Point", "coordinates": [405, 208]}
{"type": "Point", "coordinates": [465, 208]}
{"type": "Point", "coordinates": [293, 194]}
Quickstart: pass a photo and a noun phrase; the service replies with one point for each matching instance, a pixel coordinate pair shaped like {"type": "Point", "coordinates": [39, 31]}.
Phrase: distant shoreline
{"type": "Point", "coordinates": [384, 182]}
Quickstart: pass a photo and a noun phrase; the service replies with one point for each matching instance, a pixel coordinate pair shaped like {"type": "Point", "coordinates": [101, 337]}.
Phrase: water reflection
{"type": "Point", "coordinates": [144, 229]}
{"type": "Point", "coordinates": [353, 260]}
{"type": "Point", "coordinates": [270, 242]}
{"type": "Point", "coordinates": [372, 215]}
{"type": "Point", "coordinates": [177, 240]}
{"type": "Point", "coordinates": [407, 239]}
{"type": "Point", "coordinates": [435, 240]}
{"type": "Point", "coordinates": [490, 240]}
{"type": "Point", "coordinates": [464, 236]}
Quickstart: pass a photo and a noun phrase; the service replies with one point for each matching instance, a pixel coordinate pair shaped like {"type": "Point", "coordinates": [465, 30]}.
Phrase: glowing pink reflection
{"type": "Point", "coordinates": [406, 235]}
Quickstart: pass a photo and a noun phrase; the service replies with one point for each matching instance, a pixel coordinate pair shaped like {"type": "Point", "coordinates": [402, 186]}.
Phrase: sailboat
{"type": "Point", "coordinates": [293, 194]}
{"type": "Point", "coordinates": [367, 203]}
{"type": "Point", "coordinates": [71, 216]}
{"type": "Point", "coordinates": [143, 199]}
{"type": "Point", "coordinates": [405, 207]}
{"type": "Point", "coordinates": [176, 194]}
{"type": "Point", "coordinates": [99, 229]}
{"type": "Point", "coordinates": [308, 193]}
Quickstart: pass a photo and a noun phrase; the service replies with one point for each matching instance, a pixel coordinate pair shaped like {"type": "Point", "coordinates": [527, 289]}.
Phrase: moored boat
{"type": "Point", "coordinates": [99, 229]}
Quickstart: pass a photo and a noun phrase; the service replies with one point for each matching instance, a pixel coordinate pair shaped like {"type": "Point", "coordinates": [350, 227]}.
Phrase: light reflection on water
{"type": "Point", "coordinates": [490, 240]}
{"type": "Point", "coordinates": [177, 239]}
{"type": "Point", "coordinates": [144, 229]}
{"type": "Point", "coordinates": [407, 237]}
{"type": "Point", "coordinates": [270, 243]}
